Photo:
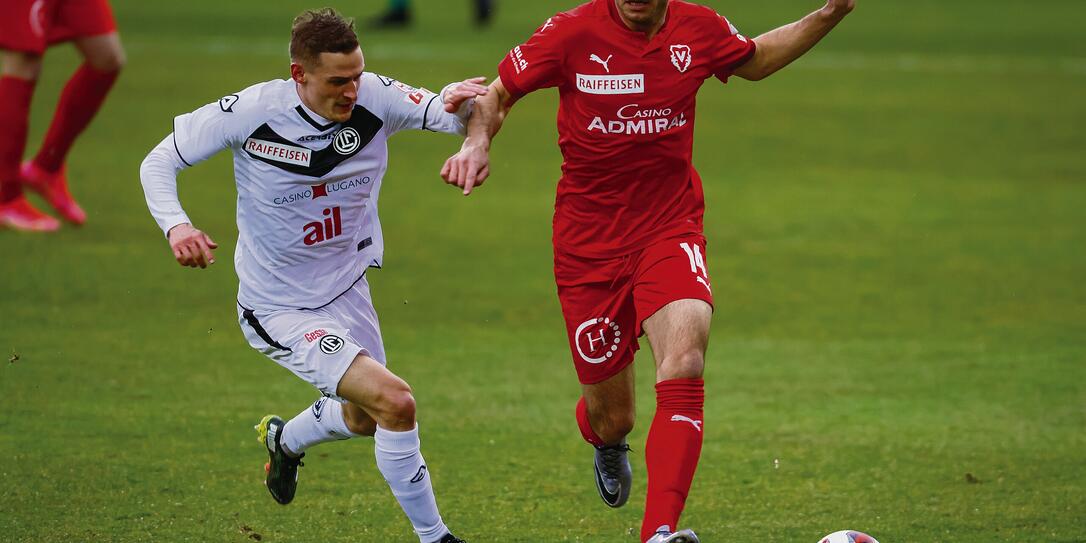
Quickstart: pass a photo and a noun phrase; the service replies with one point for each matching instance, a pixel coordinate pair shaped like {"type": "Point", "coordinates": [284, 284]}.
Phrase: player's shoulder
{"type": "Point", "coordinates": [573, 21]}
{"type": "Point", "coordinates": [696, 20]}
{"type": "Point", "coordinates": [585, 12]}
{"type": "Point", "coordinates": [259, 100]}
{"type": "Point", "coordinates": [382, 87]}
{"type": "Point", "coordinates": [689, 13]}
{"type": "Point", "coordinates": [392, 100]}
{"type": "Point", "coordinates": [690, 10]}
{"type": "Point", "coordinates": [378, 82]}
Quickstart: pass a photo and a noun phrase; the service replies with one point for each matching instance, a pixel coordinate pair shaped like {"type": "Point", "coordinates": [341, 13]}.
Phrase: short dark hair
{"type": "Point", "coordinates": [318, 31]}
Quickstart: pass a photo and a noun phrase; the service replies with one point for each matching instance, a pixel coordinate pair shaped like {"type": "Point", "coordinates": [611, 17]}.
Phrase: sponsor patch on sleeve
{"type": "Point", "coordinates": [226, 103]}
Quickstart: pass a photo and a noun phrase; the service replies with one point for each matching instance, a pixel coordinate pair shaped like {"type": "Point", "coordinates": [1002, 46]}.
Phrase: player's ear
{"type": "Point", "coordinates": [297, 73]}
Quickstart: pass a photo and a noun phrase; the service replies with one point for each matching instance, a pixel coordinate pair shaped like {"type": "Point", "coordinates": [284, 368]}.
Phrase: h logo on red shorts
{"type": "Point", "coordinates": [597, 339]}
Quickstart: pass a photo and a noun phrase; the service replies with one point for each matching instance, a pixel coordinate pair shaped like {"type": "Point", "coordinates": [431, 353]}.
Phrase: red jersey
{"type": "Point", "coordinates": [625, 119]}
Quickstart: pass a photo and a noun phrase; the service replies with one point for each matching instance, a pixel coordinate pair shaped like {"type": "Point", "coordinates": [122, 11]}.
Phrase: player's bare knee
{"type": "Point", "coordinates": [26, 66]}
{"type": "Point", "coordinates": [108, 61]}
{"type": "Point", "coordinates": [397, 409]}
{"type": "Point", "coordinates": [686, 364]}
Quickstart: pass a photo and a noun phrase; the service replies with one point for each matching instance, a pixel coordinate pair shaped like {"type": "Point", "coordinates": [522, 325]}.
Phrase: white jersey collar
{"type": "Point", "coordinates": [311, 117]}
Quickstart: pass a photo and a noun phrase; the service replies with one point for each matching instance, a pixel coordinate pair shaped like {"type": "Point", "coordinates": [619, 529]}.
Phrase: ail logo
{"type": "Point", "coordinates": [320, 231]}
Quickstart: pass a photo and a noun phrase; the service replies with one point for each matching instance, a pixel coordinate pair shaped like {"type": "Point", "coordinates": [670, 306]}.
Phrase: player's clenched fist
{"type": "Point", "coordinates": [191, 247]}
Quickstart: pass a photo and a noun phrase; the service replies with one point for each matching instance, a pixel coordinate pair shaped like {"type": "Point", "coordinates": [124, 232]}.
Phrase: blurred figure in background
{"type": "Point", "coordinates": [26, 30]}
{"type": "Point", "coordinates": [399, 14]}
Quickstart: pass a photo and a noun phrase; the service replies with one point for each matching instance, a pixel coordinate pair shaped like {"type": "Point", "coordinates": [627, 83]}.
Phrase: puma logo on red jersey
{"type": "Point", "coordinates": [595, 58]}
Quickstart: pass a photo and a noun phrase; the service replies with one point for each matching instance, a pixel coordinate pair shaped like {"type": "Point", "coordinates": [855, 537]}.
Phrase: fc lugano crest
{"type": "Point", "coordinates": [331, 344]}
{"type": "Point", "coordinates": [347, 141]}
{"type": "Point", "coordinates": [681, 57]}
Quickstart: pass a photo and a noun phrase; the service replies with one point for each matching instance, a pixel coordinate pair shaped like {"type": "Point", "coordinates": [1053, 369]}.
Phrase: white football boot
{"type": "Point", "coordinates": [681, 536]}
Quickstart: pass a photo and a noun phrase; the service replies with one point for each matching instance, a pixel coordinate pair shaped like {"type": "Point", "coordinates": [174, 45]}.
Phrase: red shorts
{"type": "Point", "coordinates": [32, 25]}
{"type": "Point", "coordinates": [604, 301]}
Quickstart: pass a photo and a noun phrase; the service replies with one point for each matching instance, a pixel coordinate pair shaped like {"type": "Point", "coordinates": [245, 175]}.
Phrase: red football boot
{"type": "Point", "coordinates": [54, 188]}
{"type": "Point", "coordinates": [20, 215]}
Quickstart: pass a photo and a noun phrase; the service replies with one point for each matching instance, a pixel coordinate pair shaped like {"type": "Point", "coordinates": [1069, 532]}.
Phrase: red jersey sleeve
{"type": "Point", "coordinates": [537, 63]}
{"type": "Point", "coordinates": [731, 49]}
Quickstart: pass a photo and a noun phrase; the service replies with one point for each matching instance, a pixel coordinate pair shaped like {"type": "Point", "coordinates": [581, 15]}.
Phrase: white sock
{"type": "Point", "coordinates": [404, 469]}
{"type": "Point", "coordinates": [319, 423]}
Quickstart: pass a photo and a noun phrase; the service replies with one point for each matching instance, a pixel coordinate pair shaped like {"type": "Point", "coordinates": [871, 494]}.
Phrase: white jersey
{"type": "Point", "coordinates": [307, 187]}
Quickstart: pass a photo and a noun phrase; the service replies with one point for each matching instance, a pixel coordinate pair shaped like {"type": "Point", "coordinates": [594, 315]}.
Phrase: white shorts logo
{"type": "Point", "coordinates": [611, 84]}
{"type": "Point", "coordinates": [592, 333]}
{"type": "Point", "coordinates": [331, 344]}
{"type": "Point", "coordinates": [347, 141]}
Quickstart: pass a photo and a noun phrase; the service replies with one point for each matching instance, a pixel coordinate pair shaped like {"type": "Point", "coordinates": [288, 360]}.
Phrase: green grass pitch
{"type": "Point", "coordinates": [897, 229]}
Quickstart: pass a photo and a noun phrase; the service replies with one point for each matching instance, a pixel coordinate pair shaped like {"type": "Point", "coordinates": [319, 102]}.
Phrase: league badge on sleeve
{"type": "Point", "coordinates": [414, 95]}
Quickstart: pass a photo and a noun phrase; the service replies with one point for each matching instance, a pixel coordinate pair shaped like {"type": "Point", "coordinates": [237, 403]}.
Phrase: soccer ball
{"type": "Point", "coordinates": [848, 536]}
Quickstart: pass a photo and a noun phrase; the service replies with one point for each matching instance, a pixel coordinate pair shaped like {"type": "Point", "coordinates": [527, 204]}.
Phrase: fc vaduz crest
{"type": "Point", "coordinates": [680, 57]}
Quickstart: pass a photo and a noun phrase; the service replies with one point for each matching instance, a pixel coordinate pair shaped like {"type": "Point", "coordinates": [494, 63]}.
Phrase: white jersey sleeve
{"type": "Point", "coordinates": [158, 174]}
{"type": "Point", "coordinates": [196, 137]}
{"type": "Point", "coordinates": [412, 108]}
{"type": "Point", "coordinates": [224, 124]}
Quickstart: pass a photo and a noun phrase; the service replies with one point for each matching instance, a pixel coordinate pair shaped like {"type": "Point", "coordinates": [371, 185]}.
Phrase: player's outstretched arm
{"type": "Point", "coordinates": [778, 48]}
{"type": "Point", "coordinates": [470, 167]}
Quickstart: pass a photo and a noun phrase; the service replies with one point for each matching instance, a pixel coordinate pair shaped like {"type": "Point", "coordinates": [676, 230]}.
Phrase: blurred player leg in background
{"type": "Point", "coordinates": [399, 14]}
{"type": "Point", "coordinates": [22, 39]}
{"type": "Point", "coordinates": [81, 99]}
{"type": "Point", "coordinates": [29, 27]}
{"type": "Point", "coordinates": [90, 26]}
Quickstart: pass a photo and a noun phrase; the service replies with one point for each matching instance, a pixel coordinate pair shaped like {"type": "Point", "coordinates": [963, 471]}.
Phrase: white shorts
{"type": "Point", "coordinates": [318, 345]}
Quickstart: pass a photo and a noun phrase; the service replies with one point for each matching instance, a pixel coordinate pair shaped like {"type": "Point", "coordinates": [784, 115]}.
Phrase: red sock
{"type": "Point", "coordinates": [672, 452]}
{"type": "Point", "coordinates": [587, 432]}
{"type": "Point", "coordinates": [15, 96]}
{"type": "Point", "coordinates": [80, 101]}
